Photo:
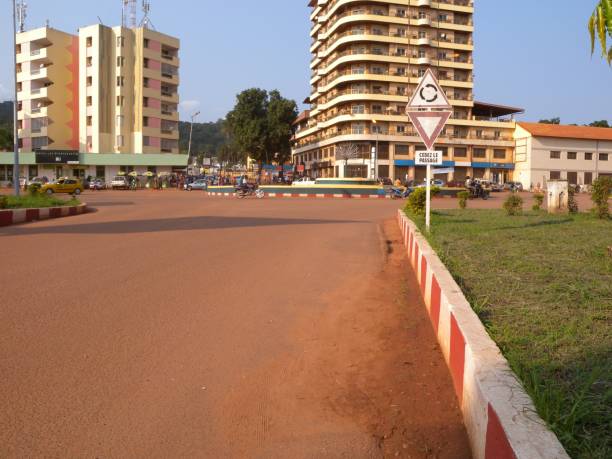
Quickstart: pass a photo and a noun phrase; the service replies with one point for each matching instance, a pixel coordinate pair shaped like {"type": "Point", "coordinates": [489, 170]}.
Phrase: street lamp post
{"type": "Point", "coordinates": [190, 136]}
{"type": "Point", "coordinates": [375, 174]}
{"type": "Point", "coordinates": [15, 139]}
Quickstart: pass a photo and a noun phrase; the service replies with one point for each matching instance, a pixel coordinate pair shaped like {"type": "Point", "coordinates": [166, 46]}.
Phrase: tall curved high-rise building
{"type": "Point", "coordinates": [367, 59]}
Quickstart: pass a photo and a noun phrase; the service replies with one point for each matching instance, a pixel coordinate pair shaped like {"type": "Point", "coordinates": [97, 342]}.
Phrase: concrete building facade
{"type": "Point", "coordinates": [577, 154]}
{"type": "Point", "coordinates": [106, 91]}
{"type": "Point", "coordinates": [47, 90]}
{"type": "Point", "coordinates": [367, 59]}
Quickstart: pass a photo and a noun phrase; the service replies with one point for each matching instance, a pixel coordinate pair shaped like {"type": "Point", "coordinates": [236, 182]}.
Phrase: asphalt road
{"type": "Point", "coordinates": [170, 324]}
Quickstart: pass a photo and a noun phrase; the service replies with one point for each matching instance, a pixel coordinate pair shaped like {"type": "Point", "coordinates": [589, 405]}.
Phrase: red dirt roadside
{"type": "Point", "coordinates": [175, 325]}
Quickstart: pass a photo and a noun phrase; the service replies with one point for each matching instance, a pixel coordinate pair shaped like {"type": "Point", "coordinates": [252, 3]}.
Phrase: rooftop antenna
{"type": "Point", "coordinates": [22, 13]}
{"type": "Point", "coordinates": [128, 13]}
{"type": "Point", "coordinates": [146, 20]}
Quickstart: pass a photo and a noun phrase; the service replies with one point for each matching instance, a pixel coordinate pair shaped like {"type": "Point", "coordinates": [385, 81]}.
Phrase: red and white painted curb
{"type": "Point", "coordinates": [16, 216]}
{"type": "Point", "coordinates": [500, 417]}
{"type": "Point", "coordinates": [312, 196]}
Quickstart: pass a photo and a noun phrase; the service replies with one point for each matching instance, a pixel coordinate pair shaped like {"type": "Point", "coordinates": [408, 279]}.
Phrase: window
{"type": "Point", "coordinates": [38, 124]}
{"type": "Point", "coordinates": [145, 82]}
{"type": "Point", "coordinates": [120, 100]}
{"type": "Point", "coordinates": [120, 61]}
{"type": "Point", "coordinates": [89, 81]}
{"type": "Point", "coordinates": [444, 151]}
{"type": "Point", "coordinates": [145, 101]}
{"type": "Point", "coordinates": [146, 141]}
{"type": "Point", "coordinates": [100, 172]}
{"type": "Point", "coordinates": [32, 172]}
{"type": "Point", "coordinates": [588, 178]}
{"type": "Point", "coordinates": [39, 142]}
{"type": "Point", "coordinates": [89, 120]}
{"type": "Point", "coordinates": [89, 61]}
{"type": "Point", "coordinates": [402, 149]}
{"type": "Point", "coordinates": [400, 129]}
{"type": "Point", "coordinates": [572, 178]}
{"type": "Point", "coordinates": [120, 81]}
{"type": "Point", "coordinates": [480, 153]}
{"type": "Point", "coordinates": [555, 175]}
{"type": "Point", "coordinates": [460, 152]}
{"type": "Point", "coordinates": [358, 109]}
{"type": "Point", "coordinates": [120, 42]}
{"type": "Point", "coordinates": [571, 155]}
{"type": "Point", "coordinates": [588, 157]}
{"type": "Point", "coordinates": [603, 156]}
{"type": "Point", "coordinates": [89, 101]}
{"type": "Point", "coordinates": [478, 132]}
{"type": "Point", "coordinates": [442, 17]}
{"type": "Point", "coordinates": [555, 155]}
{"type": "Point", "coordinates": [120, 119]}
{"type": "Point", "coordinates": [119, 141]}
{"type": "Point", "coordinates": [146, 62]}
{"type": "Point", "coordinates": [89, 42]}
{"type": "Point", "coordinates": [145, 121]}
{"type": "Point", "coordinates": [499, 154]}
{"type": "Point", "coordinates": [377, 109]}
{"type": "Point", "coordinates": [146, 42]}
{"type": "Point", "coordinates": [497, 134]}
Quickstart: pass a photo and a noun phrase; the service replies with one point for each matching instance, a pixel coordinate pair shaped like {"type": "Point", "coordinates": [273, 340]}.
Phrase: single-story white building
{"type": "Point", "coordinates": [545, 152]}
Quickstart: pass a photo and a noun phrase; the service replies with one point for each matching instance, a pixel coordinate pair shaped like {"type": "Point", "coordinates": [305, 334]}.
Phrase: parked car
{"type": "Point", "coordinates": [303, 181]}
{"type": "Point", "coordinates": [200, 184]}
{"type": "Point", "coordinates": [97, 184]}
{"type": "Point", "coordinates": [513, 186]}
{"type": "Point", "coordinates": [41, 180]}
{"type": "Point", "coordinates": [120, 182]}
{"type": "Point", "coordinates": [63, 185]}
{"type": "Point", "coordinates": [497, 187]}
{"type": "Point", "coordinates": [435, 182]}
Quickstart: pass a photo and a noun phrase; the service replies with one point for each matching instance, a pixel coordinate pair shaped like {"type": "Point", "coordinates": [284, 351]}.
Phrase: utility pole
{"type": "Point", "coordinates": [15, 139]}
{"type": "Point", "coordinates": [190, 136]}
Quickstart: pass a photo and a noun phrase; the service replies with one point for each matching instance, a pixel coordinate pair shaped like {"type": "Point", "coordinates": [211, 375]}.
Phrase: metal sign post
{"type": "Point", "coordinates": [428, 158]}
{"type": "Point", "coordinates": [429, 110]}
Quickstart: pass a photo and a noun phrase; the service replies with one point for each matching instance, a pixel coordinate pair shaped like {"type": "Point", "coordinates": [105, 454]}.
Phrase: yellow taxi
{"type": "Point", "coordinates": [63, 185]}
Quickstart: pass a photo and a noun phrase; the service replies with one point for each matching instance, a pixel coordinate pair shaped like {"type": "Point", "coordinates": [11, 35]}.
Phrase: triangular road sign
{"type": "Point", "coordinates": [429, 94]}
{"type": "Point", "coordinates": [429, 125]}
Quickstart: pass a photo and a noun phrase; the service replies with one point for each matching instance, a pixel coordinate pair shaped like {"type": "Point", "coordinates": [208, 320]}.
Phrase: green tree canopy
{"type": "Point", "coordinates": [601, 123]}
{"type": "Point", "coordinates": [600, 26]}
{"type": "Point", "coordinates": [551, 121]}
{"type": "Point", "coordinates": [260, 125]}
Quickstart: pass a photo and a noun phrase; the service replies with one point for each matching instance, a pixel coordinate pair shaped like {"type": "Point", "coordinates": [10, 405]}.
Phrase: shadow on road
{"type": "Point", "coordinates": [167, 224]}
{"type": "Point", "coordinates": [110, 204]}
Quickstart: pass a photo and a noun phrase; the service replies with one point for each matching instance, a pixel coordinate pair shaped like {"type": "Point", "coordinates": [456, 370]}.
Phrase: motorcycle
{"type": "Point", "coordinates": [243, 191]}
{"type": "Point", "coordinates": [400, 193]}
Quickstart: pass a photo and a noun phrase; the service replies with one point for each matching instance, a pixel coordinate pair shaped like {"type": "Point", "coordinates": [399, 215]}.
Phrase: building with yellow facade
{"type": "Point", "coordinates": [367, 59]}
{"type": "Point", "coordinates": [105, 100]}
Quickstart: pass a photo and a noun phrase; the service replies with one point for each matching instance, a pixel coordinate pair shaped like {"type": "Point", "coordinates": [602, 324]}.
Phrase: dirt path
{"type": "Point", "coordinates": [368, 364]}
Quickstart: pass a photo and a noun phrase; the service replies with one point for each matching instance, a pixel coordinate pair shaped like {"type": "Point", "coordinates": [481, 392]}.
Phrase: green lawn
{"type": "Point", "coordinates": [542, 286]}
{"type": "Point", "coordinates": [42, 200]}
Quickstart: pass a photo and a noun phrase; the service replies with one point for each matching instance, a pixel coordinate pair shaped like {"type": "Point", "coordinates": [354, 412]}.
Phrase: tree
{"type": "Point", "coordinates": [347, 151]}
{"type": "Point", "coordinates": [260, 125]}
{"type": "Point", "coordinates": [551, 121]}
{"type": "Point", "coordinates": [6, 139]}
{"type": "Point", "coordinates": [600, 26]}
{"type": "Point", "coordinates": [601, 123]}
{"type": "Point", "coordinates": [281, 114]}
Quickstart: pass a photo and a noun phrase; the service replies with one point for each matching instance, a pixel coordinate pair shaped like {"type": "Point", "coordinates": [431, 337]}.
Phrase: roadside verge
{"type": "Point", "coordinates": [16, 216]}
{"type": "Point", "coordinates": [500, 417]}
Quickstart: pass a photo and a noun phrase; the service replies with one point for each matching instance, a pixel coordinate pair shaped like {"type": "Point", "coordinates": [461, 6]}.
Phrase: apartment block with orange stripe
{"type": "Point", "coordinates": [104, 101]}
{"type": "Point", "coordinates": [47, 85]}
{"type": "Point", "coordinates": [367, 60]}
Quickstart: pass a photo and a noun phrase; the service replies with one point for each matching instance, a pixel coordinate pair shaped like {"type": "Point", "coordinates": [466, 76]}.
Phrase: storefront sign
{"type": "Point", "coordinates": [56, 157]}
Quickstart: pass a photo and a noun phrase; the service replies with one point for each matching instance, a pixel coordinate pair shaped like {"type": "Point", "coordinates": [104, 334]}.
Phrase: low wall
{"type": "Point", "coordinates": [16, 216]}
{"type": "Point", "coordinates": [500, 417]}
{"type": "Point", "coordinates": [317, 191]}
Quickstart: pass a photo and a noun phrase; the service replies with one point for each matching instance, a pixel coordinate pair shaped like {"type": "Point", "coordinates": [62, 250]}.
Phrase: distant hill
{"type": "Point", "coordinates": [207, 137]}
{"type": "Point", "coordinates": [6, 114]}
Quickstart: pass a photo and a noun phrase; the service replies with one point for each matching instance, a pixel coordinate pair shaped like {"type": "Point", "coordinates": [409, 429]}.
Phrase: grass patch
{"type": "Point", "coordinates": [36, 201]}
{"type": "Point", "coordinates": [542, 285]}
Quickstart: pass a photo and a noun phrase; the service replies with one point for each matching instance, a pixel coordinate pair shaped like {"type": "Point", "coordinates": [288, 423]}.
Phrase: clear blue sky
{"type": "Point", "coordinates": [530, 54]}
